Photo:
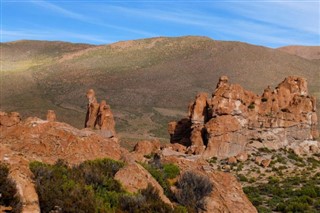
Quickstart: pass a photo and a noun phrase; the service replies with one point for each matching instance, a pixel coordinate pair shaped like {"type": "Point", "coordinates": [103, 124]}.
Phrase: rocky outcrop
{"type": "Point", "coordinates": [227, 194]}
{"type": "Point", "coordinates": [92, 109]}
{"type": "Point", "coordinates": [223, 125]}
{"type": "Point", "coordinates": [50, 141]}
{"type": "Point", "coordinates": [99, 116]}
{"type": "Point", "coordinates": [146, 147]}
{"type": "Point", "coordinates": [105, 120]}
{"type": "Point", "coordinates": [22, 176]}
{"type": "Point", "coordinates": [9, 119]}
{"type": "Point", "coordinates": [134, 177]}
{"type": "Point", "coordinates": [51, 116]}
{"type": "Point", "coordinates": [47, 141]}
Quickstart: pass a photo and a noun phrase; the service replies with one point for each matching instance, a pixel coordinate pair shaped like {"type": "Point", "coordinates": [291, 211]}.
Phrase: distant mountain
{"type": "Point", "coordinates": [307, 52]}
{"type": "Point", "coordinates": [147, 82]}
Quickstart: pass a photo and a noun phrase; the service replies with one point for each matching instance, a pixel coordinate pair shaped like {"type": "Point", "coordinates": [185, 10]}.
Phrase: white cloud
{"type": "Point", "coordinates": [87, 19]}
{"type": "Point", "coordinates": [60, 10]}
{"type": "Point", "coordinates": [274, 22]}
{"type": "Point", "coordinates": [11, 35]}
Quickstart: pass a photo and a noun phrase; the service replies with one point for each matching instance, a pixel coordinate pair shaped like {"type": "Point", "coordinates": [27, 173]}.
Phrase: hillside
{"type": "Point", "coordinates": [148, 82]}
{"type": "Point", "coordinates": [307, 52]}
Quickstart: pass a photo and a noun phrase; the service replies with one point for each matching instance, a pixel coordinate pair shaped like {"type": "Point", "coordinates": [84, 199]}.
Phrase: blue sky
{"type": "Point", "coordinates": [267, 23]}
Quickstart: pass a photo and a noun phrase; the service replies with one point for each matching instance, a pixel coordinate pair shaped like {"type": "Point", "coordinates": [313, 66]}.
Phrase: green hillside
{"type": "Point", "coordinates": [147, 82]}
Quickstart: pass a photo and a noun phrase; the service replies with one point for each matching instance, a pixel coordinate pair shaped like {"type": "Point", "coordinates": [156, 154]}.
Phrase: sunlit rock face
{"type": "Point", "coordinates": [223, 125]}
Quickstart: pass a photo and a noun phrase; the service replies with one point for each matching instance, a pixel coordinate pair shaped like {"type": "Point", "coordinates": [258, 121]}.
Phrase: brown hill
{"type": "Point", "coordinates": [307, 52]}
{"type": "Point", "coordinates": [148, 82]}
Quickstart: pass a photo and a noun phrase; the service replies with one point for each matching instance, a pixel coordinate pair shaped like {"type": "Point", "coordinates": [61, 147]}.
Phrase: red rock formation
{"type": "Point", "coordinates": [198, 110]}
{"type": "Point", "coordinates": [51, 116]}
{"type": "Point", "coordinates": [9, 119]}
{"type": "Point", "coordinates": [39, 140]}
{"type": "Point", "coordinates": [99, 116]}
{"type": "Point", "coordinates": [93, 109]}
{"type": "Point", "coordinates": [147, 147]}
{"type": "Point", "coordinates": [105, 119]}
{"type": "Point", "coordinates": [285, 116]}
{"type": "Point", "coordinates": [134, 178]}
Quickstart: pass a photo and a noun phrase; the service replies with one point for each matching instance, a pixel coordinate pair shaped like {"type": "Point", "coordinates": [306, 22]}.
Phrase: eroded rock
{"type": "Point", "coordinates": [51, 116]}
{"type": "Point", "coordinates": [9, 119]}
{"type": "Point", "coordinates": [233, 117]}
{"type": "Point", "coordinates": [134, 177]}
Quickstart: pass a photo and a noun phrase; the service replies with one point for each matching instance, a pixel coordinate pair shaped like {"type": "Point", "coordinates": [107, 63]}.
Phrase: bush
{"type": "Point", "coordinates": [8, 190]}
{"type": "Point", "coordinates": [251, 106]}
{"type": "Point", "coordinates": [292, 194]}
{"type": "Point", "coordinates": [91, 187]}
{"type": "Point", "coordinates": [56, 187]}
{"type": "Point", "coordinates": [147, 201]}
{"type": "Point", "coordinates": [171, 170]}
{"type": "Point", "coordinates": [192, 188]}
{"type": "Point", "coordinates": [99, 173]}
{"type": "Point", "coordinates": [161, 178]}
{"type": "Point", "coordinates": [242, 178]}
{"type": "Point", "coordinates": [213, 160]}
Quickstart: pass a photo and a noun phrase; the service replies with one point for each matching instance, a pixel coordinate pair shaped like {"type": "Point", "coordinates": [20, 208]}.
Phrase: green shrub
{"type": "Point", "coordinates": [292, 194]}
{"type": "Point", "coordinates": [55, 187]}
{"type": "Point", "coordinates": [192, 188]}
{"type": "Point", "coordinates": [180, 209]}
{"type": "Point", "coordinates": [242, 178]}
{"type": "Point", "coordinates": [264, 149]}
{"type": "Point", "coordinates": [293, 156]}
{"type": "Point", "coordinates": [213, 160]}
{"type": "Point", "coordinates": [99, 173]}
{"type": "Point", "coordinates": [251, 106]}
{"type": "Point", "coordinates": [91, 187]}
{"type": "Point", "coordinates": [160, 177]}
{"type": "Point", "coordinates": [8, 190]}
{"type": "Point", "coordinates": [147, 201]}
{"type": "Point", "coordinates": [262, 209]}
{"type": "Point", "coordinates": [171, 170]}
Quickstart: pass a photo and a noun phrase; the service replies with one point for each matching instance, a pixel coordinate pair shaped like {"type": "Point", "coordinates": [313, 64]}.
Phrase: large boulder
{"type": "Point", "coordinates": [134, 177]}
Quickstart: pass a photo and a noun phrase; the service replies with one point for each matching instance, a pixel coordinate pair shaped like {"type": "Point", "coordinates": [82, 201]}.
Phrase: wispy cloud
{"type": "Point", "coordinates": [11, 35]}
{"type": "Point", "coordinates": [88, 19]}
{"type": "Point", "coordinates": [270, 23]}
{"type": "Point", "coordinates": [57, 9]}
{"type": "Point", "coordinates": [278, 23]}
{"type": "Point", "coordinates": [301, 16]}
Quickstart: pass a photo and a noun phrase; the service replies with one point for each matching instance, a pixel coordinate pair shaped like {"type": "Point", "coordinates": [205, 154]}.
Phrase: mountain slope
{"type": "Point", "coordinates": [148, 81]}
{"type": "Point", "coordinates": [307, 52]}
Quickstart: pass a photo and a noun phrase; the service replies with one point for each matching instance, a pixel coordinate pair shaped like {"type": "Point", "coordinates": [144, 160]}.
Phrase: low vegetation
{"type": "Point", "coordinates": [8, 191]}
{"type": "Point", "coordinates": [192, 188]}
{"type": "Point", "coordinates": [162, 173]}
{"type": "Point", "coordinates": [90, 187]}
{"type": "Point", "coordinates": [294, 194]}
{"type": "Point", "coordinates": [291, 183]}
